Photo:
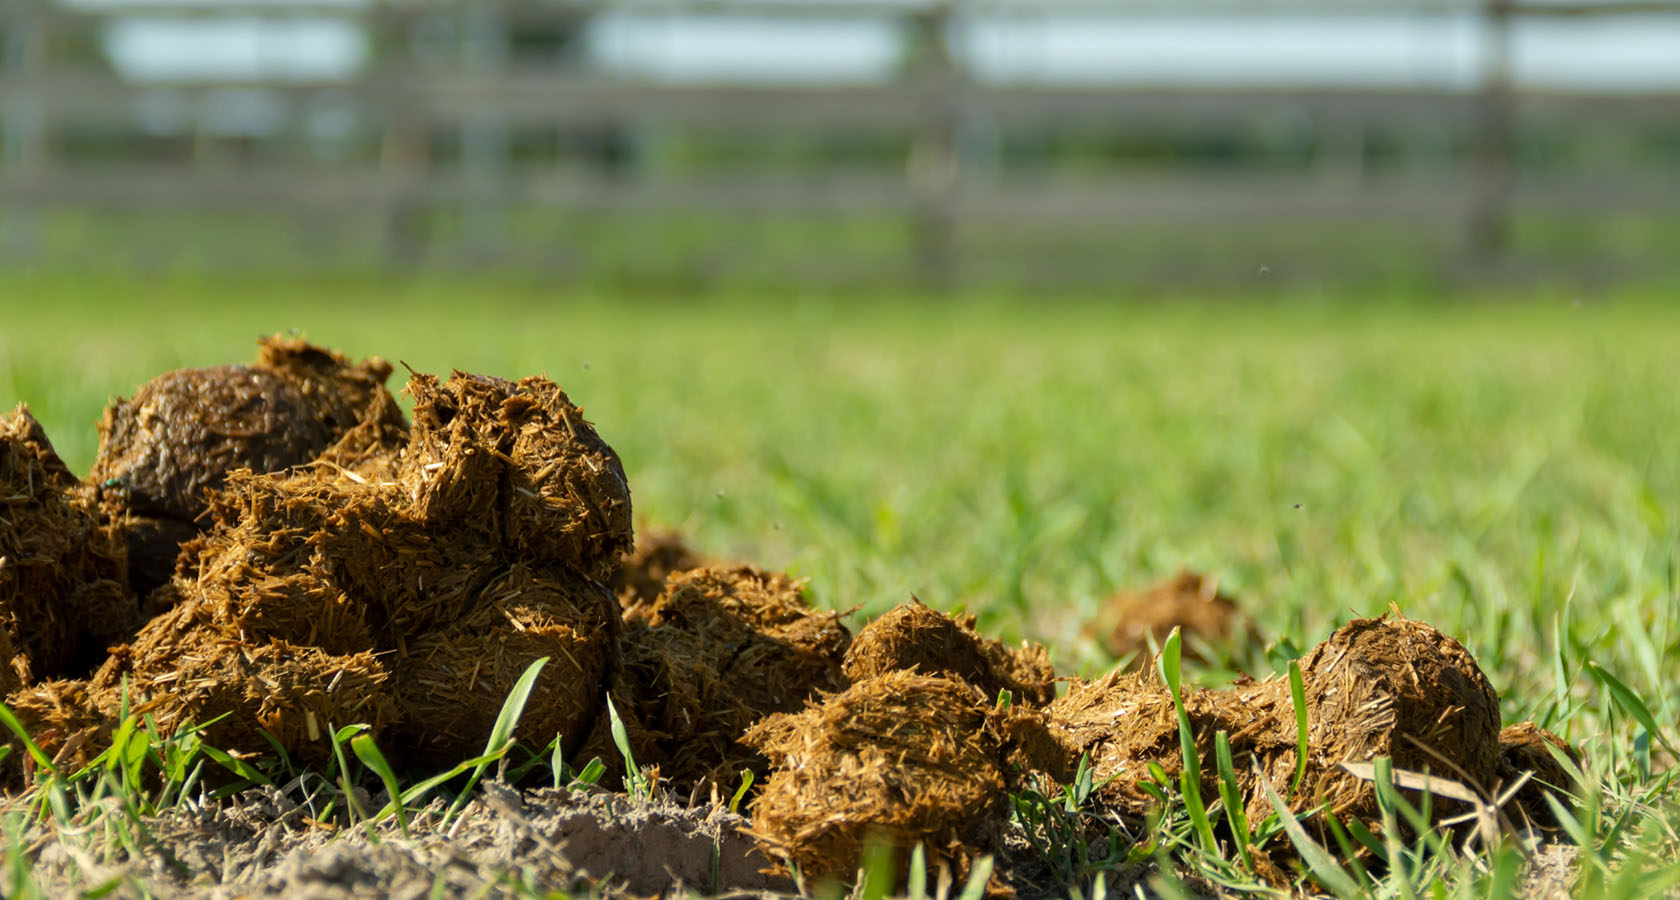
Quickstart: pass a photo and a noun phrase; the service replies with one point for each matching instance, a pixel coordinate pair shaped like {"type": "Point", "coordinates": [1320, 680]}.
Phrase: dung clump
{"type": "Point", "coordinates": [183, 432]}
{"type": "Point", "coordinates": [721, 648]}
{"type": "Point", "coordinates": [903, 757]}
{"type": "Point", "coordinates": [69, 720]}
{"type": "Point", "coordinates": [188, 666]}
{"type": "Point", "coordinates": [566, 498]}
{"type": "Point", "coordinates": [640, 576]}
{"type": "Point", "coordinates": [1378, 687]}
{"type": "Point", "coordinates": [1523, 751]}
{"type": "Point", "coordinates": [452, 681]}
{"type": "Point", "coordinates": [517, 464]}
{"type": "Point", "coordinates": [914, 636]}
{"type": "Point", "coordinates": [63, 571]}
{"type": "Point", "coordinates": [378, 584]}
{"type": "Point", "coordinates": [1189, 601]}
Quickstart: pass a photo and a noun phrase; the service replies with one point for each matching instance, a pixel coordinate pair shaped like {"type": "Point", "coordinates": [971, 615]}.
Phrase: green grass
{"type": "Point", "coordinates": [1503, 467]}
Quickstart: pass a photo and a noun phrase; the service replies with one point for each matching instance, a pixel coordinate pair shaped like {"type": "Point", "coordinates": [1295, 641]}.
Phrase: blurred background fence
{"type": "Point", "coordinates": [690, 141]}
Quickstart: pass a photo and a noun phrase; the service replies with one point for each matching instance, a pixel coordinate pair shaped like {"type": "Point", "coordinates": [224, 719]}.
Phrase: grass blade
{"type": "Point", "coordinates": [915, 887]}
{"type": "Point", "coordinates": [1629, 702]}
{"type": "Point", "coordinates": [368, 752]}
{"type": "Point", "coordinates": [501, 733]}
{"type": "Point", "coordinates": [1298, 697]}
{"type": "Point", "coordinates": [1231, 796]}
{"type": "Point", "coordinates": [10, 720]}
{"type": "Point", "coordinates": [975, 887]}
{"type": "Point", "coordinates": [1324, 868]}
{"type": "Point", "coordinates": [1190, 780]}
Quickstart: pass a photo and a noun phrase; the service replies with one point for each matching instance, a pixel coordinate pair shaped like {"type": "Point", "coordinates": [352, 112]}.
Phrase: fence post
{"type": "Point", "coordinates": [484, 136]}
{"type": "Point", "coordinates": [935, 162]}
{"type": "Point", "coordinates": [24, 129]}
{"type": "Point", "coordinates": [405, 144]}
{"type": "Point", "coordinates": [1489, 221]}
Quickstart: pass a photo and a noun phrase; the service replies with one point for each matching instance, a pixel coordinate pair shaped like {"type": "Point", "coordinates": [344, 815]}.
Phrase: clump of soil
{"type": "Point", "coordinates": [902, 757]}
{"type": "Point", "coordinates": [1189, 601]}
{"type": "Point", "coordinates": [1378, 687]}
{"type": "Point", "coordinates": [640, 577]}
{"type": "Point", "coordinates": [63, 571]}
{"type": "Point", "coordinates": [1522, 749]}
{"type": "Point", "coordinates": [719, 649]}
{"type": "Point", "coordinates": [912, 636]}
{"type": "Point", "coordinates": [181, 433]}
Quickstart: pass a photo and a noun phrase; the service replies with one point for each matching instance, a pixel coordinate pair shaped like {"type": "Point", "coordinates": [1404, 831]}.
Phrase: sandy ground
{"type": "Point", "coordinates": [263, 844]}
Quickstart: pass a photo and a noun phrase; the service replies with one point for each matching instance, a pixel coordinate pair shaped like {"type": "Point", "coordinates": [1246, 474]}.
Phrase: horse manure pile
{"type": "Point", "coordinates": [1189, 601]}
{"type": "Point", "coordinates": [163, 449]}
{"type": "Point", "coordinates": [63, 581]}
{"type": "Point", "coordinates": [273, 550]}
{"type": "Point", "coordinates": [352, 568]}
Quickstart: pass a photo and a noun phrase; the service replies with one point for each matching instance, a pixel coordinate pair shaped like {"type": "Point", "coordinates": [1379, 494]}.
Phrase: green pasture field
{"type": "Point", "coordinates": [1504, 467]}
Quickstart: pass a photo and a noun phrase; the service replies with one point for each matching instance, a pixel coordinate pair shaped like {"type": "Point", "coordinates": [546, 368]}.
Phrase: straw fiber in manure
{"type": "Point", "coordinates": [912, 636]}
{"type": "Point", "coordinates": [719, 649]}
{"type": "Point", "coordinates": [902, 757]}
{"type": "Point", "coordinates": [63, 571]}
{"type": "Point", "coordinates": [453, 680]}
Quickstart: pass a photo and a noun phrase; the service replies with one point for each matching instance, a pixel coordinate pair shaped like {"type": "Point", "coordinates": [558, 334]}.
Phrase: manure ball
{"type": "Point", "coordinates": [721, 648]}
{"type": "Point", "coordinates": [451, 682]}
{"type": "Point", "coordinates": [1378, 687]}
{"type": "Point", "coordinates": [904, 757]}
{"type": "Point", "coordinates": [913, 636]}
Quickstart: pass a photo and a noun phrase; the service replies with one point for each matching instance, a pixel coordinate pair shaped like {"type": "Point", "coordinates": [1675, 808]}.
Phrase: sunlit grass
{"type": "Point", "coordinates": [1502, 468]}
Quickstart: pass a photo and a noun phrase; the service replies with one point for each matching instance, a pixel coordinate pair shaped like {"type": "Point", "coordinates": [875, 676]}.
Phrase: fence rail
{"type": "Point", "coordinates": [947, 119]}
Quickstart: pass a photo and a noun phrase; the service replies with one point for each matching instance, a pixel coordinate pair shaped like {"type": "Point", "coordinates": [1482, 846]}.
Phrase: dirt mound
{"type": "Point", "coordinates": [1522, 749]}
{"type": "Point", "coordinates": [640, 577]}
{"type": "Point", "coordinates": [1189, 601]}
{"type": "Point", "coordinates": [1378, 687]}
{"type": "Point", "coordinates": [63, 572]}
{"type": "Point", "coordinates": [912, 636]}
{"type": "Point", "coordinates": [903, 757]}
{"type": "Point", "coordinates": [183, 432]}
{"type": "Point", "coordinates": [721, 648]}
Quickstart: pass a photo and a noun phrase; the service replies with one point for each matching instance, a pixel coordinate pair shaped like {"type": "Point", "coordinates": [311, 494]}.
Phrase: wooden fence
{"type": "Point", "coordinates": [51, 87]}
